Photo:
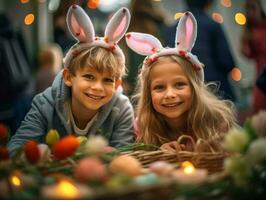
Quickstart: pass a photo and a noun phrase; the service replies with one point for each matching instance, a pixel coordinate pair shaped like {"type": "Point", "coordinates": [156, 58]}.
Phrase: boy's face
{"type": "Point", "coordinates": [90, 88]}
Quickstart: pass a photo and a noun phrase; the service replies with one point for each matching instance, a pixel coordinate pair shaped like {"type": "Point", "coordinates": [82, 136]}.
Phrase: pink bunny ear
{"type": "Point", "coordinates": [143, 44]}
{"type": "Point", "coordinates": [117, 26]}
{"type": "Point", "coordinates": [186, 32]}
{"type": "Point", "coordinates": [79, 24]}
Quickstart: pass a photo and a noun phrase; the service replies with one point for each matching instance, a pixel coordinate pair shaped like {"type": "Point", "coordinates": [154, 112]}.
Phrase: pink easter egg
{"type": "Point", "coordinates": [90, 169]}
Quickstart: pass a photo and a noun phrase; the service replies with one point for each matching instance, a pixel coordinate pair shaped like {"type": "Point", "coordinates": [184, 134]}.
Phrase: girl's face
{"type": "Point", "coordinates": [171, 91]}
{"type": "Point", "coordinates": [90, 89]}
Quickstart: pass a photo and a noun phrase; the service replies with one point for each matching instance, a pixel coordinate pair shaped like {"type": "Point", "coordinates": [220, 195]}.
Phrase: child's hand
{"type": "Point", "coordinates": [173, 146]}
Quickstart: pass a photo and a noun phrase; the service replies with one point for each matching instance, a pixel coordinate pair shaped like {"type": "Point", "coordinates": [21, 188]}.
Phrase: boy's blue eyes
{"type": "Point", "coordinates": [91, 77]}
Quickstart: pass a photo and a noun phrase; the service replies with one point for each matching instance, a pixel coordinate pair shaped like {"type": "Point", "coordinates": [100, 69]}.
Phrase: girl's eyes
{"type": "Point", "coordinates": [158, 87]}
{"type": "Point", "coordinates": [109, 80]}
{"type": "Point", "coordinates": [180, 84]}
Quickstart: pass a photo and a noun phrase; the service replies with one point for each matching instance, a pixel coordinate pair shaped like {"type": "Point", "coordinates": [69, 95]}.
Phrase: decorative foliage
{"type": "Point", "coordinates": [247, 165]}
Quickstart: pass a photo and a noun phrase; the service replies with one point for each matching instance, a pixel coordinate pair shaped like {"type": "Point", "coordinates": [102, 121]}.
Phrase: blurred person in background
{"type": "Point", "coordinates": [50, 63]}
{"type": "Point", "coordinates": [61, 34]}
{"type": "Point", "coordinates": [211, 48]}
{"type": "Point", "coordinates": [147, 17]}
{"type": "Point", "coordinates": [261, 81]}
{"type": "Point", "coordinates": [253, 46]}
{"type": "Point", "coordinates": [15, 88]}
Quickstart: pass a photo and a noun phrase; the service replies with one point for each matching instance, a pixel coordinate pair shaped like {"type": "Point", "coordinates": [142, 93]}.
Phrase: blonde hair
{"type": "Point", "coordinates": [100, 59]}
{"type": "Point", "coordinates": [208, 116]}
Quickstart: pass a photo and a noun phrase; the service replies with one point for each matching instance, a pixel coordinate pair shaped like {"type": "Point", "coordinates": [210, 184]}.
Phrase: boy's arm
{"type": "Point", "coordinates": [123, 133]}
{"type": "Point", "coordinates": [33, 127]}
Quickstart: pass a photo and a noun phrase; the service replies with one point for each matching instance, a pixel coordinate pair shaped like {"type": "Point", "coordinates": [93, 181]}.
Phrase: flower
{"type": "Point", "coordinates": [236, 140]}
{"type": "Point", "coordinates": [52, 137]}
{"type": "Point", "coordinates": [32, 152]}
{"type": "Point", "coordinates": [258, 122]}
{"type": "Point", "coordinates": [96, 145]}
{"type": "Point", "coordinates": [4, 155]}
{"type": "Point", "coordinates": [45, 153]}
{"type": "Point", "coordinates": [3, 132]}
{"type": "Point", "coordinates": [238, 169]}
{"type": "Point", "coordinates": [65, 147]}
{"type": "Point", "coordinates": [257, 151]}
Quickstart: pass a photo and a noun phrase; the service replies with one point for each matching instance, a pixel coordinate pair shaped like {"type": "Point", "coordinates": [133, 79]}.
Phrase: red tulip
{"type": "Point", "coordinates": [3, 132]}
{"type": "Point", "coordinates": [32, 151]}
{"type": "Point", "coordinates": [65, 147]}
{"type": "Point", "coordinates": [4, 155]}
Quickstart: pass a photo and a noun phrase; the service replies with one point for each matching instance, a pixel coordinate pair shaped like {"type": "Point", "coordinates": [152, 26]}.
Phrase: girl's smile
{"type": "Point", "coordinates": [171, 92]}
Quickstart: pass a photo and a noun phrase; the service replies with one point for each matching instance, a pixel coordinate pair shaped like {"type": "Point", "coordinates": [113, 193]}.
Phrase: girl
{"type": "Point", "coordinates": [173, 99]}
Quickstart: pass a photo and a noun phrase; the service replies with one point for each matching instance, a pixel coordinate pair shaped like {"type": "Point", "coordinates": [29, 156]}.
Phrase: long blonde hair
{"type": "Point", "coordinates": [208, 116]}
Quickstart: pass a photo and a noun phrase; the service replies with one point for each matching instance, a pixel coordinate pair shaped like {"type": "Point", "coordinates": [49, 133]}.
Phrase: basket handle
{"type": "Point", "coordinates": [202, 141]}
{"type": "Point", "coordinates": [182, 137]}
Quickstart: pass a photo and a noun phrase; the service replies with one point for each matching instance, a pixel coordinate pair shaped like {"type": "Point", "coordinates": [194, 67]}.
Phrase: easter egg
{"type": "Point", "coordinates": [147, 179]}
{"type": "Point", "coordinates": [90, 169]}
{"type": "Point", "coordinates": [161, 168]}
{"type": "Point", "coordinates": [126, 164]}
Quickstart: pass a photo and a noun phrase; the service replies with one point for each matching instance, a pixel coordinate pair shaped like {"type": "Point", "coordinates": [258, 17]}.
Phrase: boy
{"type": "Point", "coordinates": [85, 97]}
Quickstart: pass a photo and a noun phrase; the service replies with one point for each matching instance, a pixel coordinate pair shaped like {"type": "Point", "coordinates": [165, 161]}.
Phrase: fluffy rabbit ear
{"type": "Point", "coordinates": [79, 24]}
{"type": "Point", "coordinates": [186, 32]}
{"type": "Point", "coordinates": [117, 26]}
{"type": "Point", "coordinates": [143, 44]}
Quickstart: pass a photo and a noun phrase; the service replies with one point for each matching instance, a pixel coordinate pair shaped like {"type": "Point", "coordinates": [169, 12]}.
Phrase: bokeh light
{"type": "Point", "coordinates": [226, 3]}
{"type": "Point", "coordinates": [217, 17]}
{"type": "Point", "coordinates": [29, 19]}
{"type": "Point", "coordinates": [93, 4]}
{"type": "Point", "coordinates": [24, 1]}
{"type": "Point", "coordinates": [236, 74]}
{"type": "Point", "coordinates": [240, 18]}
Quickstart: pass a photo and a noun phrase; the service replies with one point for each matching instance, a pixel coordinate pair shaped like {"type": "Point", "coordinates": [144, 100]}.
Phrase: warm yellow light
{"type": "Point", "coordinates": [226, 3]}
{"type": "Point", "coordinates": [178, 15]}
{"type": "Point", "coordinates": [188, 167]}
{"type": "Point", "coordinates": [29, 19]}
{"type": "Point", "coordinates": [66, 189]}
{"type": "Point", "coordinates": [24, 1]}
{"type": "Point", "coordinates": [240, 18]}
{"type": "Point", "coordinates": [15, 180]}
{"type": "Point", "coordinates": [217, 17]}
{"type": "Point", "coordinates": [236, 74]}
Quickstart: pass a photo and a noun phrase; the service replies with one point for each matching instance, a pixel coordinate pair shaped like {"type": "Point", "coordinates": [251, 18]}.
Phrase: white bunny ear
{"type": "Point", "coordinates": [143, 44]}
{"type": "Point", "coordinates": [117, 26]}
{"type": "Point", "coordinates": [79, 24]}
{"type": "Point", "coordinates": [186, 32]}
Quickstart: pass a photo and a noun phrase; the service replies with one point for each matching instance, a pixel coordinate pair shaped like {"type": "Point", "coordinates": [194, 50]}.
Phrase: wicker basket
{"type": "Point", "coordinates": [211, 160]}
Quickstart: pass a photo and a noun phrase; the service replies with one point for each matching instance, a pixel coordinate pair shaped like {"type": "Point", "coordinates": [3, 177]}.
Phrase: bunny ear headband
{"type": "Point", "coordinates": [81, 28]}
{"type": "Point", "coordinates": [186, 33]}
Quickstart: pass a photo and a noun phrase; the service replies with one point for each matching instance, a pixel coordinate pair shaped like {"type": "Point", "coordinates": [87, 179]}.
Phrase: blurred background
{"type": "Point", "coordinates": [34, 38]}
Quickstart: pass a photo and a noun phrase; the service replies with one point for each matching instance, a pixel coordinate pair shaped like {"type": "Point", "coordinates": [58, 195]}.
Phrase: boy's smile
{"type": "Point", "coordinates": [90, 90]}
